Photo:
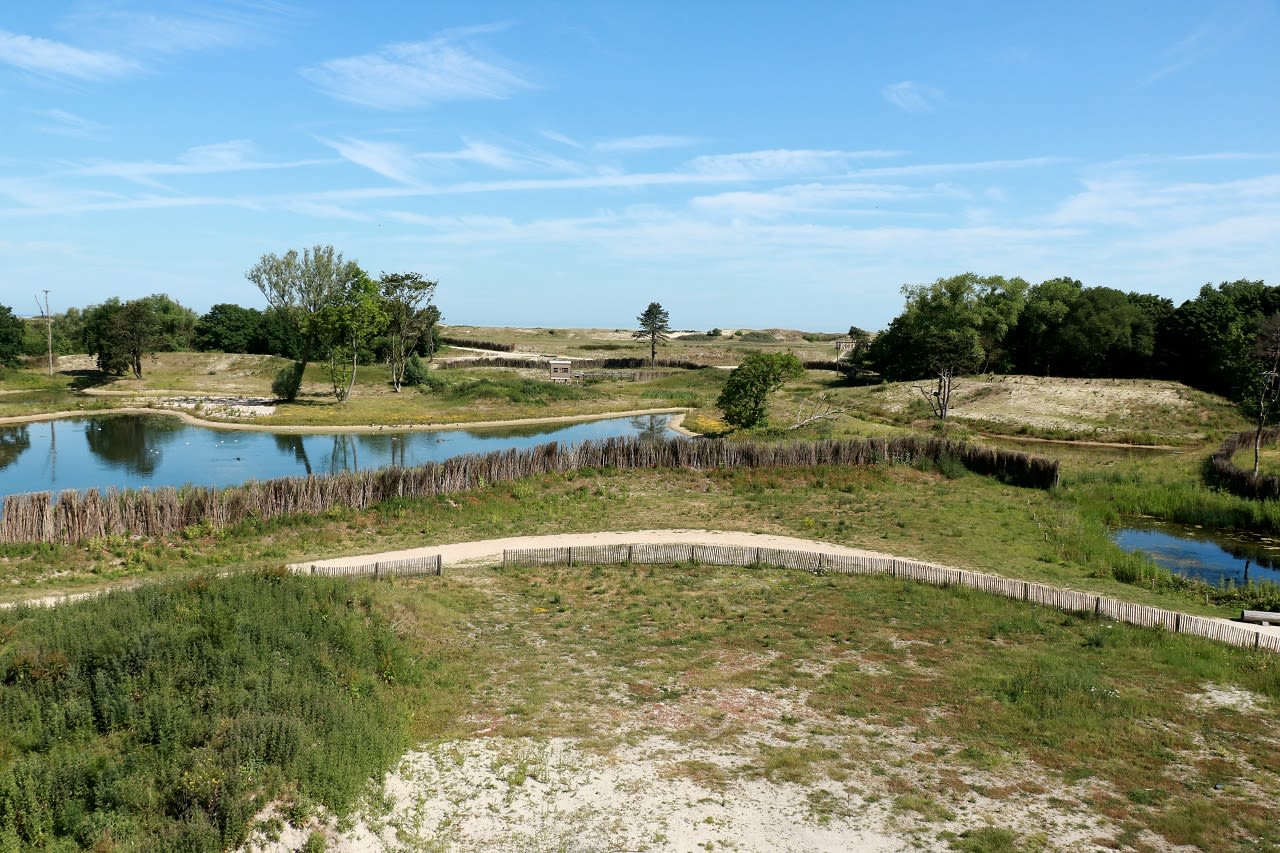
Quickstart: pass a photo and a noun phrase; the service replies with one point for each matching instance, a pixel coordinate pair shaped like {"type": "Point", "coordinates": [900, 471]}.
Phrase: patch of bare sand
{"type": "Point", "coordinates": [223, 407]}
{"type": "Point", "coordinates": [1226, 696]}
{"type": "Point", "coordinates": [665, 784]}
{"type": "Point", "coordinates": [1054, 404]}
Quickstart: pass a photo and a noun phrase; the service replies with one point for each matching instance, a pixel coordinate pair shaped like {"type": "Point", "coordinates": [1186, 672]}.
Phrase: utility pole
{"type": "Point", "coordinates": [48, 327]}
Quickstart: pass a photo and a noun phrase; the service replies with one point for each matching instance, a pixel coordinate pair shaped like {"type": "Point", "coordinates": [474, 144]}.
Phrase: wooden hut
{"type": "Point", "coordinates": [561, 371]}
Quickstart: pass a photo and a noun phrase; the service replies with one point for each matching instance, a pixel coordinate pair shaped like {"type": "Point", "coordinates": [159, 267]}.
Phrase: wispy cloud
{"type": "Point", "coordinates": [498, 157]}
{"type": "Point", "coordinates": [393, 160]}
{"type": "Point", "coordinates": [385, 158]}
{"type": "Point", "coordinates": [198, 28]}
{"type": "Point", "coordinates": [651, 142]}
{"type": "Point", "coordinates": [561, 138]}
{"type": "Point", "coordinates": [853, 198]}
{"type": "Point", "coordinates": [63, 123]}
{"type": "Point", "coordinates": [56, 59]}
{"type": "Point", "coordinates": [779, 163]}
{"type": "Point", "coordinates": [411, 75]}
{"type": "Point", "coordinates": [1140, 201]}
{"type": "Point", "coordinates": [218, 158]}
{"type": "Point", "coordinates": [912, 96]}
{"type": "Point", "coordinates": [1227, 22]}
{"type": "Point", "coordinates": [925, 169]}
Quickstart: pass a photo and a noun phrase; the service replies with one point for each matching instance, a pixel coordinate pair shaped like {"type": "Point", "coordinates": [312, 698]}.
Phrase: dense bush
{"type": "Point", "coordinates": [415, 371]}
{"type": "Point", "coordinates": [163, 718]}
{"type": "Point", "coordinates": [287, 381]}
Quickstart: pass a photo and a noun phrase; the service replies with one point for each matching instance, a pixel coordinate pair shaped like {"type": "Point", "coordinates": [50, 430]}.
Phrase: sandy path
{"type": "Point", "coordinates": [488, 552]}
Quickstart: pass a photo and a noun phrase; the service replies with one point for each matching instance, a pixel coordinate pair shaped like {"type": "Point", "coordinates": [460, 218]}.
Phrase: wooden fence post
{"type": "Point", "coordinates": [440, 564]}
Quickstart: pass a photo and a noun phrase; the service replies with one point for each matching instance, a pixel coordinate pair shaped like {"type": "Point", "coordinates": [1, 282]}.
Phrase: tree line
{"type": "Point", "coordinates": [990, 324]}
{"type": "Point", "coordinates": [320, 307]}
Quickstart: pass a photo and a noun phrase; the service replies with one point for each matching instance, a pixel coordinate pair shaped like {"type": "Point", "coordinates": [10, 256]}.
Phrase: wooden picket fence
{"type": "Point", "coordinates": [432, 564]}
{"type": "Point", "coordinates": [1068, 600]}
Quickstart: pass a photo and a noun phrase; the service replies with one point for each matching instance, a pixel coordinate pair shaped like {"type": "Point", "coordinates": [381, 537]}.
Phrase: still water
{"type": "Point", "coordinates": [1210, 555]}
{"type": "Point", "coordinates": [131, 451]}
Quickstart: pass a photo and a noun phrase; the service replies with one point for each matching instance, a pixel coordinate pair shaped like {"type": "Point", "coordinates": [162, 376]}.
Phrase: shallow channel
{"type": "Point", "coordinates": [132, 451]}
{"type": "Point", "coordinates": [1213, 556]}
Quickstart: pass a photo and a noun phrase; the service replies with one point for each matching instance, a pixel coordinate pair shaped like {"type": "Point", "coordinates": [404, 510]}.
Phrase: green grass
{"type": "Point", "coordinates": [991, 683]}
{"type": "Point", "coordinates": [165, 717]}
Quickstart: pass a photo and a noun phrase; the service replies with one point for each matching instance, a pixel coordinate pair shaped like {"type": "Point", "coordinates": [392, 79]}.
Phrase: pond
{"type": "Point", "coordinates": [131, 451]}
{"type": "Point", "coordinates": [1213, 556]}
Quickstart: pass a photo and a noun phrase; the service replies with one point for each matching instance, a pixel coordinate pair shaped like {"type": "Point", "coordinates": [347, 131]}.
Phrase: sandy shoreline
{"type": "Point", "coordinates": [187, 417]}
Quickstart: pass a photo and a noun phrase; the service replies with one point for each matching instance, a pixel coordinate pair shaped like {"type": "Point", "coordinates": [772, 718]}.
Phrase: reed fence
{"type": "Point", "coordinates": [620, 363]}
{"type": "Point", "coordinates": [474, 344]}
{"type": "Point", "coordinates": [1067, 600]}
{"type": "Point", "coordinates": [412, 567]}
{"type": "Point", "coordinates": [1222, 471]}
{"type": "Point", "coordinates": [827, 364]}
{"type": "Point", "coordinates": [492, 361]}
{"type": "Point", "coordinates": [83, 516]}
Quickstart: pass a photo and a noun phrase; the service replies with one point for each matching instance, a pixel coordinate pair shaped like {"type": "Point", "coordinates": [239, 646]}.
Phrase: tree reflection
{"type": "Point", "coordinates": [389, 446]}
{"type": "Point", "coordinates": [293, 444]}
{"type": "Point", "coordinates": [650, 427]}
{"type": "Point", "coordinates": [131, 442]}
{"type": "Point", "coordinates": [344, 456]}
{"type": "Point", "coordinates": [14, 441]}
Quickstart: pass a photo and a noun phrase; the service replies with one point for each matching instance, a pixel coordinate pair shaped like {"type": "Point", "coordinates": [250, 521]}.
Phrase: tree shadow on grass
{"type": "Point", "coordinates": [82, 380]}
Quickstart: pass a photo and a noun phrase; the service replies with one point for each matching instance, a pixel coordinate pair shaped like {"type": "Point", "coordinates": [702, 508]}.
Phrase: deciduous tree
{"type": "Point", "coordinates": [12, 330]}
{"type": "Point", "coordinates": [1265, 380]}
{"type": "Point", "coordinates": [406, 302]}
{"type": "Point", "coordinates": [230, 328]}
{"type": "Point", "coordinates": [855, 357]}
{"type": "Point", "coordinates": [958, 324]}
{"type": "Point", "coordinates": [121, 334]}
{"type": "Point", "coordinates": [346, 324]}
{"type": "Point", "coordinates": [745, 396]}
{"type": "Point", "coordinates": [302, 287]}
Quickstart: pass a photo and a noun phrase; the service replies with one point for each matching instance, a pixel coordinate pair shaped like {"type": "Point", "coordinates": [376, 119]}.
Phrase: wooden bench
{"type": "Point", "coordinates": [1260, 617]}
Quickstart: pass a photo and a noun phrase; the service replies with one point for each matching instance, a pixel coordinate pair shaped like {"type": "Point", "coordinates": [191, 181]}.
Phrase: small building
{"type": "Point", "coordinates": [561, 371]}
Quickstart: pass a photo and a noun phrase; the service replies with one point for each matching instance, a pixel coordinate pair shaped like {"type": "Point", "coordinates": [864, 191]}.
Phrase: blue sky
{"type": "Point", "coordinates": [745, 164]}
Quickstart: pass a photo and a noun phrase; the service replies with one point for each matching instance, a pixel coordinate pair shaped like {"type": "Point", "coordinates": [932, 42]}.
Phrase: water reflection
{"type": "Point", "coordinates": [651, 427]}
{"type": "Point", "coordinates": [1213, 556]}
{"type": "Point", "coordinates": [14, 443]}
{"type": "Point", "coordinates": [294, 445]}
{"type": "Point", "coordinates": [344, 456]}
{"type": "Point", "coordinates": [133, 444]}
{"type": "Point", "coordinates": [129, 451]}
